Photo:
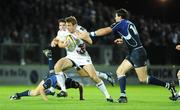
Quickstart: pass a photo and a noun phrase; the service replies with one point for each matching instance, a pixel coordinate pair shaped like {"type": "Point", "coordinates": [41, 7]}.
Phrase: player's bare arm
{"type": "Point", "coordinates": [103, 31]}
{"type": "Point", "coordinates": [41, 90]}
{"type": "Point", "coordinates": [54, 42]}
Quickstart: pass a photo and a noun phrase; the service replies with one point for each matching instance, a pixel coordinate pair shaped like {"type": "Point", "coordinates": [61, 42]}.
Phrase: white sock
{"type": "Point", "coordinates": [123, 94]}
{"type": "Point", "coordinates": [51, 71]}
{"type": "Point", "coordinates": [101, 75]}
{"type": "Point", "coordinates": [120, 76]}
{"type": "Point", "coordinates": [61, 80]}
{"type": "Point", "coordinates": [167, 85]}
{"type": "Point", "coordinates": [103, 89]}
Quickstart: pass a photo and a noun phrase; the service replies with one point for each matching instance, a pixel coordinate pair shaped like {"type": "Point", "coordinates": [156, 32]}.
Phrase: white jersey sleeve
{"type": "Point", "coordinates": [61, 35]}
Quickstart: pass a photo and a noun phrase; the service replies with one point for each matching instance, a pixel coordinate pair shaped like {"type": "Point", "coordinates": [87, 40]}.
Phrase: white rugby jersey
{"type": "Point", "coordinates": [74, 48]}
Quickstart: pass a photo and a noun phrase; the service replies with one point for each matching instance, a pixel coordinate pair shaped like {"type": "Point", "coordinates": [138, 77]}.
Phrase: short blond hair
{"type": "Point", "coordinates": [71, 19]}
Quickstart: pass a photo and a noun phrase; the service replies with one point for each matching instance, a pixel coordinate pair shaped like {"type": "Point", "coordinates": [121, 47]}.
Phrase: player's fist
{"type": "Point", "coordinates": [54, 42]}
{"type": "Point", "coordinates": [178, 47]}
{"type": "Point", "coordinates": [118, 41]}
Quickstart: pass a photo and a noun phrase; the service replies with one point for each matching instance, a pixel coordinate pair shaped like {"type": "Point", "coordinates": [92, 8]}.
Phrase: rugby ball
{"type": "Point", "coordinates": [71, 42]}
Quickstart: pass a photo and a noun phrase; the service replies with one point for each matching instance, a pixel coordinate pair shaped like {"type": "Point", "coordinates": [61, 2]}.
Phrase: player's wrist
{"type": "Point", "coordinates": [92, 34]}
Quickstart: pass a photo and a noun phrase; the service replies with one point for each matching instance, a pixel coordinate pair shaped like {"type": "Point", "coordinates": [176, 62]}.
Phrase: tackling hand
{"type": "Point", "coordinates": [118, 41]}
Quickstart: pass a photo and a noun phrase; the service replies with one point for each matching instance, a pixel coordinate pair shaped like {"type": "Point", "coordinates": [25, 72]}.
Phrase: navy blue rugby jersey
{"type": "Point", "coordinates": [127, 30]}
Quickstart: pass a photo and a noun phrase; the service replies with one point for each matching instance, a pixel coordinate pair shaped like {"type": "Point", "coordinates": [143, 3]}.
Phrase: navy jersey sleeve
{"type": "Point", "coordinates": [120, 27]}
{"type": "Point", "coordinates": [114, 27]}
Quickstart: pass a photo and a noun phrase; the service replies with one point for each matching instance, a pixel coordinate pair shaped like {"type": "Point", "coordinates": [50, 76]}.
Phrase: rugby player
{"type": "Point", "coordinates": [44, 86]}
{"type": "Point", "coordinates": [177, 97]}
{"type": "Point", "coordinates": [136, 58]}
{"type": "Point", "coordinates": [74, 42]}
{"type": "Point", "coordinates": [62, 30]}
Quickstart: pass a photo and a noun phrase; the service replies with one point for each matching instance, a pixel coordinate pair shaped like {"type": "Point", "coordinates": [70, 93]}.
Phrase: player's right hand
{"type": "Point", "coordinates": [178, 47]}
{"type": "Point", "coordinates": [66, 43]}
{"type": "Point", "coordinates": [118, 41]}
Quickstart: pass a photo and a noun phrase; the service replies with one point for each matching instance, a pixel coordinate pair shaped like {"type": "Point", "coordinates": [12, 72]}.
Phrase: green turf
{"type": "Point", "coordinates": [139, 98]}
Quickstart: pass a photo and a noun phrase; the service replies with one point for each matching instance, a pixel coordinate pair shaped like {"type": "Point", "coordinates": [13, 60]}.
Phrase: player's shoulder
{"type": "Point", "coordinates": [121, 23]}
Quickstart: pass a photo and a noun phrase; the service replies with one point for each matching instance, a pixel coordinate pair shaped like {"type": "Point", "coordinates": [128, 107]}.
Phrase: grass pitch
{"type": "Point", "coordinates": [139, 98]}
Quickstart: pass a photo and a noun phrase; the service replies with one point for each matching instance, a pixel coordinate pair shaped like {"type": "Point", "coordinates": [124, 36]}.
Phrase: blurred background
{"type": "Point", "coordinates": [28, 26]}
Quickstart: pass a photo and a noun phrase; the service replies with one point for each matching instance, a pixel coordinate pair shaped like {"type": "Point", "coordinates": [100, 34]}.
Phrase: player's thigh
{"type": "Point", "coordinates": [82, 72]}
{"type": "Point", "coordinates": [124, 67]}
{"type": "Point", "coordinates": [63, 64]}
{"type": "Point", "coordinates": [142, 73]}
{"type": "Point", "coordinates": [89, 68]}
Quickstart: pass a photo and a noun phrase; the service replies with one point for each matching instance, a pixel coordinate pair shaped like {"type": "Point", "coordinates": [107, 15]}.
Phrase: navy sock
{"type": "Point", "coordinates": [122, 83]}
{"type": "Point", "coordinates": [50, 63]}
{"type": "Point", "coordinates": [154, 81]}
{"type": "Point", "coordinates": [25, 93]}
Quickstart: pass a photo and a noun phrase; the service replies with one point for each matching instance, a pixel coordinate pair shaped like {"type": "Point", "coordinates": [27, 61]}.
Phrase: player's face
{"type": "Point", "coordinates": [70, 27]}
{"type": "Point", "coordinates": [117, 18]}
{"type": "Point", "coordinates": [62, 26]}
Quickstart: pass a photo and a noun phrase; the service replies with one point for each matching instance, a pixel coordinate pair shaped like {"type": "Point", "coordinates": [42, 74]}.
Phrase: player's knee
{"type": "Point", "coordinates": [95, 78]}
{"type": "Point", "coordinates": [120, 72]}
{"type": "Point", "coordinates": [142, 80]}
{"type": "Point", "coordinates": [34, 93]}
{"type": "Point", "coordinates": [57, 68]}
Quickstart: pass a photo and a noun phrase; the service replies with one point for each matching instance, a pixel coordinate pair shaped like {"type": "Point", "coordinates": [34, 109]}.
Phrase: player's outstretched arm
{"type": "Point", "coordinates": [101, 32]}
{"type": "Point", "coordinates": [41, 90]}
